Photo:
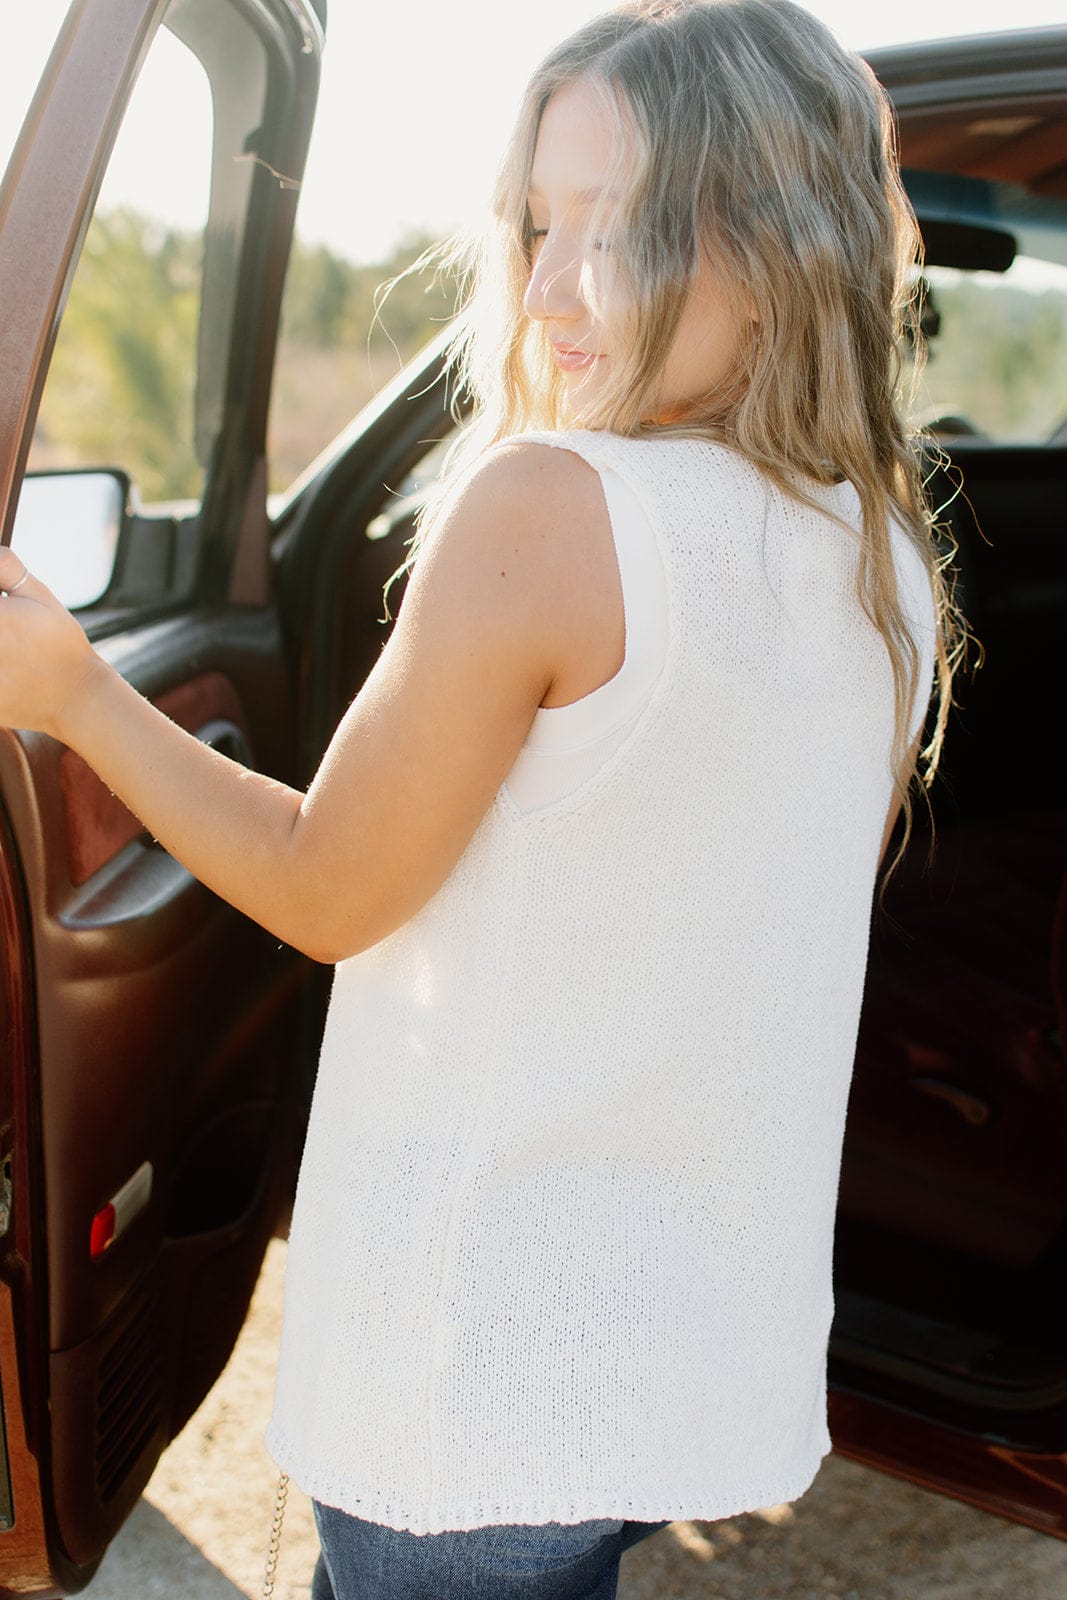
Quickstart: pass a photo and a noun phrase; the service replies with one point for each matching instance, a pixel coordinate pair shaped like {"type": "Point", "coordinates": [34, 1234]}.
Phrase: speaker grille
{"type": "Point", "coordinates": [129, 1395]}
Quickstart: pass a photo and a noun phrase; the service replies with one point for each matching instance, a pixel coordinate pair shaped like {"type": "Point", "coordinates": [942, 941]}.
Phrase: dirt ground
{"type": "Point", "coordinates": [201, 1531]}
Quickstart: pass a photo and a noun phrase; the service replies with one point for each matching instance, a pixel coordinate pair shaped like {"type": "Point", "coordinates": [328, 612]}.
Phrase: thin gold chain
{"type": "Point", "coordinates": [271, 1569]}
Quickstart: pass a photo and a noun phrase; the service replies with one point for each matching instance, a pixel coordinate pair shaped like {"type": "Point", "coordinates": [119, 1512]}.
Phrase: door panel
{"type": "Point", "coordinates": [152, 1036]}
{"type": "Point", "coordinates": [96, 822]}
{"type": "Point", "coordinates": [21, 1357]}
{"type": "Point", "coordinates": [166, 1048]}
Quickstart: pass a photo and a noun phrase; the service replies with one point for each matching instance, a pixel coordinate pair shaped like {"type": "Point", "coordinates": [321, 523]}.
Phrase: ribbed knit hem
{"type": "Point", "coordinates": [464, 1514]}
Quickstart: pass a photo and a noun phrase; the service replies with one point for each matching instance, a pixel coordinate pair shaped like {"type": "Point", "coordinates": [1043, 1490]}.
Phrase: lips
{"type": "Point", "coordinates": [571, 358]}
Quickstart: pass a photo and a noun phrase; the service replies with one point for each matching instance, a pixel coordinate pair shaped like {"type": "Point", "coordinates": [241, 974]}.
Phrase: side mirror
{"type": "Point", "coordinates": [67, 528]}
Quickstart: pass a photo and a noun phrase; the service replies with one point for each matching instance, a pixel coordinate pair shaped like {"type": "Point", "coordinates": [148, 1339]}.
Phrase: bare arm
{"type": "Point", "coordinates": [488, 625]}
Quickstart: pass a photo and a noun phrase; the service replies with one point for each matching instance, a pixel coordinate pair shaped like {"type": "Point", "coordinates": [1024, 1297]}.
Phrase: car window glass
{"type": "Point", "coordinates": [135, 392]}
{"type": "Point", "coordinates": [120, 390]}
{"type": "Point", "coordinates": [346, 330]}
{"type": "Point", "coordinates": [995, 319]}
{"type": "Point", "coordinates": [997, 354]}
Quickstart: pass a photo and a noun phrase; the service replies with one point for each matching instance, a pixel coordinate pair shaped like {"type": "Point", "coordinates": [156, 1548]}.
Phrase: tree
{"type": "Point", "coordinates": [120, 388]}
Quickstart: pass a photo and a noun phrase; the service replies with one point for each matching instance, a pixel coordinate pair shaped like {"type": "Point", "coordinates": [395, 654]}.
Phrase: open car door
{"type": "Point", "coordinates": [151, 1035]}
{"type": "Point", "coordinates": [948, 1357]}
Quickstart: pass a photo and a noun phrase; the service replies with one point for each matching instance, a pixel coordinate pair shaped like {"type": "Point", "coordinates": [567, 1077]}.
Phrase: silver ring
{"type": "Point", "coordinates": [16, 586]}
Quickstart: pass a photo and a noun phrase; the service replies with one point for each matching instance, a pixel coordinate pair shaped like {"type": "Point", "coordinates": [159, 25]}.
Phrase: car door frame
{"type": "Point", "coordinates": [46, 203]}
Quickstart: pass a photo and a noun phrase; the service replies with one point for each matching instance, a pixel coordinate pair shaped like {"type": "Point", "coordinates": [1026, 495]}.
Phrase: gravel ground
{"type": "Point", "coordinates": [202, 1528]}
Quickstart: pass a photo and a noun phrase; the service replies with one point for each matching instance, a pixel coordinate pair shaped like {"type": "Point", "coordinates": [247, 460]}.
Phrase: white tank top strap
{"type": "Point", "coordinates": [567, 744]}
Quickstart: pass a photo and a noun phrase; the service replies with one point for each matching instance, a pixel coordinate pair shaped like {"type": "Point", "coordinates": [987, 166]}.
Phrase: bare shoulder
{"type": "Point", "coordinates": [519, 465]}
{"type": "Point", "coordinates": [520, 558]}
{"type": "Point", "coordinates": [530, 522]}
{"type": "Point", "coordinates": [522, 484]}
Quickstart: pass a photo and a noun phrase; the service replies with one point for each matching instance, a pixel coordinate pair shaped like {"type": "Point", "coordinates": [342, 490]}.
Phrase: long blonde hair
{"type": "Point", "coordinates": [747, 133]}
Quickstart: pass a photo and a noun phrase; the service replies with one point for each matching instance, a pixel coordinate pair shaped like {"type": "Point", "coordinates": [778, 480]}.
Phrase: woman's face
{"type": "Point", "coordinates": [570, 207]}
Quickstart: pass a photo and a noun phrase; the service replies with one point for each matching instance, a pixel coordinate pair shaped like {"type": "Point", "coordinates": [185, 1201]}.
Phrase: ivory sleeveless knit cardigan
{"type": "Point", "coordinates": [562, 1242]}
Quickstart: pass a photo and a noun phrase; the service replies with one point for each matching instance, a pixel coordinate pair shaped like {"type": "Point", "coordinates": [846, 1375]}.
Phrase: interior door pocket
{"type": "Point", "coordinates": [217, 1180]}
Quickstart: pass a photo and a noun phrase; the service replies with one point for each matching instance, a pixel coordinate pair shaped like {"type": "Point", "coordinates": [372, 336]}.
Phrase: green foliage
{"type": "Point", "coordinates": [999, 356]}
{"type": "Point", "coordinates": [345, 331]}
{"type": "Point", "coordinates": [317, 294]}
{"type": "Point", "coordinates": [329, 301]}
{"type": "Point", "coordinates": [120, 390]}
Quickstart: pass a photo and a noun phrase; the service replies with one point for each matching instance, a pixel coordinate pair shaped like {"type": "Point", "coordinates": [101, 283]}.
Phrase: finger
{"type": "Point", "coordinates": [14, 574]}
{"type": "Point", "coordinates": [16, 579]}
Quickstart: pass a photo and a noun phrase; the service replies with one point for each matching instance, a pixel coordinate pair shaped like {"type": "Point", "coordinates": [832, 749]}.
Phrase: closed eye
{"type": "Point", "coordinates": [535, 235]}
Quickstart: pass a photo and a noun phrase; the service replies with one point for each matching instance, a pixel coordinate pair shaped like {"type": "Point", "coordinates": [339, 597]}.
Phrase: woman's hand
{"type": "Point", "coordinates": [45, 657]}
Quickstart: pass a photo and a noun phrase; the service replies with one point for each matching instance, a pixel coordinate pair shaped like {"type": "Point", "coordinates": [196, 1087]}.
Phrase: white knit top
{"type": "Point", "coordinates": [562, 1240]}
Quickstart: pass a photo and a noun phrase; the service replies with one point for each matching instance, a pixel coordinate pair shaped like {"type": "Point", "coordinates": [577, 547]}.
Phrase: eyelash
{"type": "Point", "coordinates": [542, 233]}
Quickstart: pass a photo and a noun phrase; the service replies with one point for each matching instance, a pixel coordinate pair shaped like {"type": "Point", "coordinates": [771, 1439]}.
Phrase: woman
{"type": "Point", "coordinates": [595, 846]}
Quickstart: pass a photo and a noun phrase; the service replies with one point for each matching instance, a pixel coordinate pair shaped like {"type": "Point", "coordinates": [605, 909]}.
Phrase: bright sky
{"type": "Point", "coordinates": [417, 99]}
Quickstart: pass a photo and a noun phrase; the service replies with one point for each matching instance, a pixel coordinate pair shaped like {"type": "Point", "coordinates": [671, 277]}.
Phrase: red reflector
{"type": "Point", "coordinates": [102, 1232]}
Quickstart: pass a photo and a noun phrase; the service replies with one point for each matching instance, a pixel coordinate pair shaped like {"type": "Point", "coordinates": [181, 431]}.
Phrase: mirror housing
{"type": "Point", "coordinates": [966, 245]}
{"type": "Point", "coordinates": [67, 528]}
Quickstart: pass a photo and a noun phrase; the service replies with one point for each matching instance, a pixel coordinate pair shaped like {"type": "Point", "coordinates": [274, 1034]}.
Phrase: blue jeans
{"type": "Point", "coordinates": [506, 1561]}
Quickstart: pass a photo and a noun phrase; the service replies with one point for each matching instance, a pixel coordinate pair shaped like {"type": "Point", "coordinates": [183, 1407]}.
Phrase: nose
{"type": "Point", "coordinates": [553, 292]}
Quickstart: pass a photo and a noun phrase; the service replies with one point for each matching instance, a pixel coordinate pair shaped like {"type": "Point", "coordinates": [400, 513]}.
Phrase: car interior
{"type": "Point", "coordinates": [952, 1225]}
